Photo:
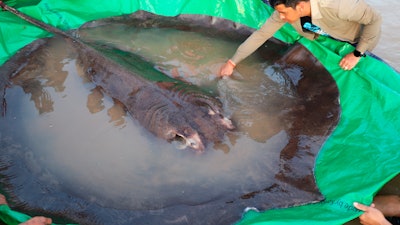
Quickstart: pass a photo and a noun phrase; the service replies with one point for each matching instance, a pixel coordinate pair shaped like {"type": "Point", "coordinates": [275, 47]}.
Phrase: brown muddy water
{"type": "Point", "coordinates": [71, 152]}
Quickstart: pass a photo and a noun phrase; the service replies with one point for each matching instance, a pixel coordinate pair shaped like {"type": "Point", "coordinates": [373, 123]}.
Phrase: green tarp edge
{"type": "Point", "coordinates": [10, 217]}
{"type": "Point", "coordinates": [359, 157]}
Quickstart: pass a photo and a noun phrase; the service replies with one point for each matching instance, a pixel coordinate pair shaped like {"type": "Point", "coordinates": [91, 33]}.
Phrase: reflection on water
{"type": "Point", "coordinates": [73, 142]}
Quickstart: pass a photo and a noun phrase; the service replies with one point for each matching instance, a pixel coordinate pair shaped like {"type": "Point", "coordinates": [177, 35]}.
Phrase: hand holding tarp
{"type": "Point", "coordinates": [371, 215]}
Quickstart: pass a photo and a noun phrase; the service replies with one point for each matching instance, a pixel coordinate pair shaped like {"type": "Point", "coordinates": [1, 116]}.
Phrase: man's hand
{"type": "Point", "coordinates": [349, 61]}
{"type": "Point", "coordinates": [227, 68]}
{"type": "Point", "coordinates": [37, 220]}
{"type": "Point", "coordinates": [3, 200]}
{"type": "Point", "coordinates": [371, 215]}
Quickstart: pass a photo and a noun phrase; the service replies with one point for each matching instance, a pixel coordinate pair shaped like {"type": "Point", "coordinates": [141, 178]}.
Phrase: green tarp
{"type": "Point", "coordinates": [361, 155]}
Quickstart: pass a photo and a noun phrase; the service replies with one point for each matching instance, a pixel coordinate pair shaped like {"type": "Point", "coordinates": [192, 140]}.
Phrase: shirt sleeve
{"type": "Point", "coordinates": [360, 12]}
{"type": "Point", "coordinates": [258, 37]}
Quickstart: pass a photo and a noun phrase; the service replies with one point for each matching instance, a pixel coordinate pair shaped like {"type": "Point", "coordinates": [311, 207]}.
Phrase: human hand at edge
{"type": "Point", "coordinates": [349, 61]}
{"type": "Point", "coordinates": [3, 200]}
{"type": "Point", "coordinates": [37, 220]}
{"type": "Point", "coordinates": [227, 69]}
{"type": "Point", "coordinates": [371, 215]}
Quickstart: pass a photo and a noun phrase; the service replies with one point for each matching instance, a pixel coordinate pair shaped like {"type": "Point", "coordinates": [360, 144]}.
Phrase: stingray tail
{"type": "Point", "coordinates": [34, 21]}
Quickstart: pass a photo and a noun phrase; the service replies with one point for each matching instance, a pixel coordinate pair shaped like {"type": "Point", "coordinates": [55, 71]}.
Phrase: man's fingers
{"type": "Point", "coordinates": [3, 200]}
{"type": "Point", "coordinates": [48, 220]}
{"type": "Point", "coordinates": [42, 219]}
{"type": "Point", "coordinates": [38, 220]}
{"type": "Point", "coordinates": [360, 206]}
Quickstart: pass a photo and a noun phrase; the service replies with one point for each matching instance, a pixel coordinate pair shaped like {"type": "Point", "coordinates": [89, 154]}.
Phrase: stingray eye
{"type": "Point", "coordinates": [179, 138]}
{"type": "Point", "coordinates": [171, 135]}
{"type": "Point", "coordinates": [90, 71]}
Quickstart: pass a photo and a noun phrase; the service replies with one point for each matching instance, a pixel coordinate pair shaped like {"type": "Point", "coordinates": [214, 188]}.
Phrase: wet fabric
{"type": "Point", "coordinates": [357, 160]}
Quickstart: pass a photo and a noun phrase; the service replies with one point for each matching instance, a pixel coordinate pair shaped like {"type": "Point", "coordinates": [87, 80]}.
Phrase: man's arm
{"type": "Point", "coordinates": [252, 43]}
{"type": "Point", "coordinates": [256, 39]}
{"type": "Point", "coordinates": [360, 12]}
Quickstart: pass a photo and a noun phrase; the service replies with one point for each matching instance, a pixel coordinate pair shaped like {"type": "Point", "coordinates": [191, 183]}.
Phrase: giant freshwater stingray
{"type": "Point", "coordinates": [166, 107]}
{"type": "Point", "coordinates": [312, 119]}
